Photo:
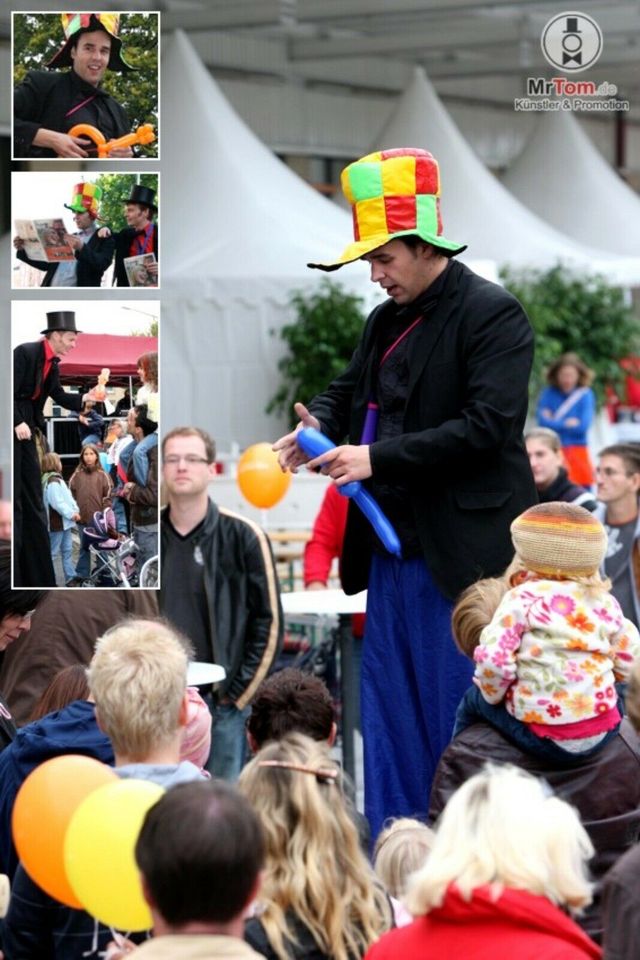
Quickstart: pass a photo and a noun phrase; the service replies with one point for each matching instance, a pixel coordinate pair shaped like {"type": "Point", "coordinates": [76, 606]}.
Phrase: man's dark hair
{"type": "Point", "coordinates": [629, 453]}
{"type": "Point", "coordinates": [142, 420]}
{"type": "Point", "coordinates": [144, 207]}
{"type": "Point", "coordinates": [14, 602]}
{"type": "Point", "coordinates": [291, 701]}
{"type": "Point", "coordinates": [413, 241]}
{"type": "Point", "coordinates": [200, 851]}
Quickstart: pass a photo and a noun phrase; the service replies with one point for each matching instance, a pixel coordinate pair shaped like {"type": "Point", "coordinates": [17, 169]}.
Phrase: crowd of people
{"type": "Point", "coordinates": [500, 678]}
{"type": "Point", "coordinates": [74, 533]}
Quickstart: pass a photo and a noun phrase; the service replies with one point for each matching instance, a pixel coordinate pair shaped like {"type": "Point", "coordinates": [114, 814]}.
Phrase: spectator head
{"type": "Point", "coordinates": [207, 441]}
{"type": "Point", "coordinates": [5, 520]}
{"type": "Point", "coordinates": [503, 827]}
{"type": "Point", "coordinates": [16, 606]}
{"type": "Point", "coordinates": [618, 475]}
{"type": "Point", "coordinates": [188, 463]}
{"type": "Point", "coordinates": [138, 421]}
{"type": "Point", "coordinates": [291, 701]}
{"type": "Point", "coordinates": [196, 735]}
{"type": "Point", "coordinates": [138, 679]}
{"type": "Point", "coordinates": [148, 368]}
{"type": "Point", "coordinates": [544, 450]}
{"type": "Point", "coordinates": [51, 463]}
{"type": "Point", "coordinates": [474, 611]}
{"type": "Point", "coordinates": [315, 868]}
{"type": "Point", "coordinates": [568, 372]}
{"type": "Point", "coordinates": [400, 850]}
{"type": "Point", "coordinates": [200, 852]}
{"type": "Point", "coordinates": [69, 684]}
{"type": "Point", "coordinates": [89, 458]}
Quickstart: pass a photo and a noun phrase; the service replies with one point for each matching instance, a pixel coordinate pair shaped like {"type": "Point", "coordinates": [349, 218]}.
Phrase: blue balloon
{"type": "Point", "coordinates": [314, 444]}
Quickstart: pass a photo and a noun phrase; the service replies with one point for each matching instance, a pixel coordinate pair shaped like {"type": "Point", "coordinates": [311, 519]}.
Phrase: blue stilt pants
{"type": "Point", "coordinates": [413, 678]}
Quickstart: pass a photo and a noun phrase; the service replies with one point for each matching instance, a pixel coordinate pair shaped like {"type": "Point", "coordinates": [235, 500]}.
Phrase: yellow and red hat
{"type": "Point", "coordinates": [74, 24]}
{"type": "Point", "coordinates": [85, 197]}
{"type": "Point", "coordinates": [393, 193]}
{"type": "Point", "coordinates": [559, 539]}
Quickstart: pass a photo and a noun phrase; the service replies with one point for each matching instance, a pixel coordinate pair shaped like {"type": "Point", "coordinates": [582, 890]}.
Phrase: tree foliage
{"type": "Point", "coordinates": [116, 188]}
{"type": "Point", "coordinates": [38, 36]}
{"type": "Point", "coordinates": [583, 314]}
{"type": "Point", "coordinates": [319, 343]}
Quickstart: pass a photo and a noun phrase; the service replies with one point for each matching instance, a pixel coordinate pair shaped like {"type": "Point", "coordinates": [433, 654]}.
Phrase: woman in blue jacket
{"type": "Point", "coordinates": [568, 406]}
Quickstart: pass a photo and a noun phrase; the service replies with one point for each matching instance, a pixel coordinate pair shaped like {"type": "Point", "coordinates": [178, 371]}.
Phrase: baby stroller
{"type": "Point", "coordinates": [114, 553]}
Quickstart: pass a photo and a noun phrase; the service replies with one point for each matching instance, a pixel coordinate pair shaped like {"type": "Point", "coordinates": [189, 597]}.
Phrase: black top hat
{"type": "Point", "coordinates": [64, 320]}
{"type": "Point", "coordinates": [572, 25]}
{"type": "Point", "coordinates": [143, 195]}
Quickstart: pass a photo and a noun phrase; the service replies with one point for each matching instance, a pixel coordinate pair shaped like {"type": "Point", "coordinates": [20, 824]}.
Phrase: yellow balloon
{"type": "Point", "coordinates": [99, 853]}
{"type": "Point", "coordinates": [260, 478]}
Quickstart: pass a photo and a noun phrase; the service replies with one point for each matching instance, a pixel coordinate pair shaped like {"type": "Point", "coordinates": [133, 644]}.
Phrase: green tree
{"type": "Point", "coordinates": [319, 343]}
{"type": "Point", "coordinates": [116, 187]}
{"type": "Point", "coordinates": [584, 314]}
{"type": "Point", "coordinates": [38, 36]}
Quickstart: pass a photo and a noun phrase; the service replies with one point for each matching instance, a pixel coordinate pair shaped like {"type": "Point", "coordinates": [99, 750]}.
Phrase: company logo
{"type": "Point", "coordinates": [571, 41]}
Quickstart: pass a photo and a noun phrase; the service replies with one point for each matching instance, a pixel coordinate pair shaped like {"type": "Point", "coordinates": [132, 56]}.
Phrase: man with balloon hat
{"type": "Point", "coordinates": [35, 378]}
{"type": "Point", "coordinates": [93, 253]}
{"type": "Point", "coordinates": [48, 104]}
{"type": "Point", "coordinates": [433, 404]}
{"type": "Point", "coordinates": [219, 587]}
{"type": "Point", "coordinates": [140, 236]}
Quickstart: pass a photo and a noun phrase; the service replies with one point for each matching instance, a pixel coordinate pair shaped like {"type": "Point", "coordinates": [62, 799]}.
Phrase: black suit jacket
{"type": "Point", "coordinates": [123, 244]}
{"type": "Point", "coordinates": [93, 259]}
{"type": "Point", "coordinates": [43, 100]}
{"type": "Point", "coordinates": [28, 367]}
{"type": "Point", "coordinates": [461, 453]}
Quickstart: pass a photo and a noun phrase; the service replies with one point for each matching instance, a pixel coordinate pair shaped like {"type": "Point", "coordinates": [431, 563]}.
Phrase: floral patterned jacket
{"type": "Point", "coordinates": [553, 652]}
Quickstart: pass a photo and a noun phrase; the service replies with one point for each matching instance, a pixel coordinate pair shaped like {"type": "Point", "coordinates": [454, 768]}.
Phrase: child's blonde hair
{"type": "Point", "coordinates": [401, 849]}
{"type": "Point", "coordinates": [474, 611]}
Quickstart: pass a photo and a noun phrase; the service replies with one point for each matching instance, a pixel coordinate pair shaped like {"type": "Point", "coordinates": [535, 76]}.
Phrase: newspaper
{"type": "Point", "coordinates": [45, 240]}
{"type": "Point", "coordinates": [137, 273]}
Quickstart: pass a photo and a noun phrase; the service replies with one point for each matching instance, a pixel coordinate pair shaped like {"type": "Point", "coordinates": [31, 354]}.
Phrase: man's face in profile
{"type": "Point", "coordinates": [91, 55]}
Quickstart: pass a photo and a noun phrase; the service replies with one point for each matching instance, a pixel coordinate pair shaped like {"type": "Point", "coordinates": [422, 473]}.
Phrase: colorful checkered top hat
{"type": "Point", "coordinates": [559, 539]}
{"type": "Point", "coordinates": [86, 197]}
{"type": "Point", "coordinates": [74, 24]}
{"type": "Point", "coordinates": [393, 193]}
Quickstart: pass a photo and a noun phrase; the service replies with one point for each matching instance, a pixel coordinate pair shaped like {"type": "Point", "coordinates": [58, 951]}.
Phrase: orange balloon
{"type": "Point", "coordinates": [44, 805]}
{"type": "Point", "coordinates": [260, 478]}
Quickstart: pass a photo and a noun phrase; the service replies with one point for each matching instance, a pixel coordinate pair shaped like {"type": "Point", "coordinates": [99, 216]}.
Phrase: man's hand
{"type": "Point", "coordinates": [290, 456]}
{"type": "Point", "coordinates": [152, 268]}
{"type": "Point", "coordinates": [104, 232]}
{"type": "Point", "coordinates": [119, 153]}
{"type": "Point", "coordinates": [23, 431]}
{"type": "Point", "coordinates": [90, 395]}
{"type": "Point", "coordinates": [76, 243]}
{"type": "Point", "coordinates": [344, 464]}
{"type": "Point", "coordinates": [18, 243]}
{"type": "Point", "coordinates": [61, 143]}
{"type": "Point", "coordinates": [127, 489]}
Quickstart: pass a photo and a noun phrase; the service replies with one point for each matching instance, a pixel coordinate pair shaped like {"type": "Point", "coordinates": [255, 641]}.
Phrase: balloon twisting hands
{"type": "Point", "coordinates": [143, 135]}
{"type": "Point", "coordinates": [314, 444]}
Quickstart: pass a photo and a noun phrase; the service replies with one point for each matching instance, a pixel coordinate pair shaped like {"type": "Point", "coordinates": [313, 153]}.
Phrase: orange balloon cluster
{"type": "Point", "coordinates": [260, 478]}
{"type": "Point", "coordinates": [75, 826]}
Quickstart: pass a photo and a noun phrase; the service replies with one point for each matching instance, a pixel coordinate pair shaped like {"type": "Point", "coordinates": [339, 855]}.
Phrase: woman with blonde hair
{"type": "Point", "coordinates": [319, 897]}
{"type": "Point", "coordinates": [508, 860]}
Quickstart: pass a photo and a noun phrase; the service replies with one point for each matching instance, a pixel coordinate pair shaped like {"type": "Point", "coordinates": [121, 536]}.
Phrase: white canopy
{"type": "Point", "coordinates": [238, 229]}
{"type": "Point", "coordinates": [476, 208]}
{"type": "Point", "coordinates": [563, 177]}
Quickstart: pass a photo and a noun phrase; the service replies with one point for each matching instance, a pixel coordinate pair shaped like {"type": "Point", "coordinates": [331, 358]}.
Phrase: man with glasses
{"type": "Point", "coordinates": [219, 587]}
{"type": "Point", "coordinates": [618, 482]}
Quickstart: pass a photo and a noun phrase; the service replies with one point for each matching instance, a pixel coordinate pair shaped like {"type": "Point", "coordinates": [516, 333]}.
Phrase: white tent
{"type": "Point", "coordinates": [563, 177]}
{"type": "Point", "coordinates": [476, 208]}
{"type": "Point", "coordinates": [238, 229]}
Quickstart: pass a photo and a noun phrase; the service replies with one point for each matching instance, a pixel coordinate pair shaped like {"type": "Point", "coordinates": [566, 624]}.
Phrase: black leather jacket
{"type": "Point", "coordinates": [243, 598]}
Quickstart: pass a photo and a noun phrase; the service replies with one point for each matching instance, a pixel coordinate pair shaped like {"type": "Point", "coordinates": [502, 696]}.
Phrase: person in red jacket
{"type": "Point", "coordinates": [508, 859]}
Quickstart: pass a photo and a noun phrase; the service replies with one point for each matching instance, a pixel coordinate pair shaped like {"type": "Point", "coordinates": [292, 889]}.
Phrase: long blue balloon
{"type": "Point", "coordinates": [314, 445]}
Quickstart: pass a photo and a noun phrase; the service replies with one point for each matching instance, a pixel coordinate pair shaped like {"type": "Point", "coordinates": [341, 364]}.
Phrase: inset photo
{"type": "Point", "coordinates": [85, 443]}
{"type": "Point", "coordinates": [86, 85]}
{"type": "Point", "coordinates": [77, 230]}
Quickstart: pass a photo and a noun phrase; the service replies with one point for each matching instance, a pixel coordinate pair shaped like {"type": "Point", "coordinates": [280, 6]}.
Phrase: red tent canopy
{"type": "Point", "coordinates": [93, 351]}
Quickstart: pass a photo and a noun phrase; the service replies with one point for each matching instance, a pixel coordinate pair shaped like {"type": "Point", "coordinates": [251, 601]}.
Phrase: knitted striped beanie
{"type": "Point", "coordinates": [559, 539]}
